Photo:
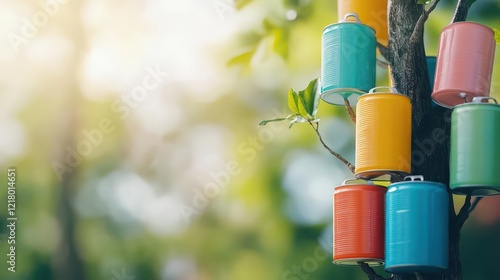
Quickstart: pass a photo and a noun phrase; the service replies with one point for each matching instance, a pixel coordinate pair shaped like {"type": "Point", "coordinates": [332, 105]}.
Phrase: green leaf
{"type": "Point", "coordinates": [264, 122]}
{"type": "Point", "coordinates": [497, 35]}
{"type": "Point", "coordinates": [293, 99]}
{"type": "Point", "coordinates": [308, 101]}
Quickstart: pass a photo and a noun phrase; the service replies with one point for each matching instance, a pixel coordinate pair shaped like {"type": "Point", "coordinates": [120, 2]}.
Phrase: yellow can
{"type": "Point", "coordinates": [383, 134]}
{"type": "Point", "coordinates": [372, 13]}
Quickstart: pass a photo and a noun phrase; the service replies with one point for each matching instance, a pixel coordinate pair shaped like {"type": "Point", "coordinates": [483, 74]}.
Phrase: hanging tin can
{"type": "Point", "coordinates": [372, 13]}
{"type": "Point", "coordinates": [464, 63]}
{"type": "Point", "coordinates": [358, 223]}
{"type": "Point", "coordinates": [348, 61]}
{"type": "Point", "coordinates": [475, 149]}
{"type": "Point", "coordinates": [416, 226]}
{"type": "Point", "coordinates": [431, 69]}
{"type": "Point", "coordinates": [383, 134]}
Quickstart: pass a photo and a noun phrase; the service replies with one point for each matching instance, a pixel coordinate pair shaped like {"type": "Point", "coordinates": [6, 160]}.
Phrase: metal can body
{"type": "Point", "coordinates": [383, 134]}
{"type": "Point", "coordinates": [464, 63]}
{"type": "Point", "coordinates": [372, 13]}
{"type": "Point", "coordinates": [348, 61]}
{"type": "Point", "coordinates": [474, 149]}
{"type": "Point", "coordinates": [416, 227]}
{"type": "Point", "coordinates": [358, 224]}
{"type": "Point", "coordinates": [431, 68]}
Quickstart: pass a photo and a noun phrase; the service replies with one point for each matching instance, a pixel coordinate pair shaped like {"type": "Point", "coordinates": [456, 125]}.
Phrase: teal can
{"type": "Point", "coordinates": [475, 148]}
{"type": "Point", "coordinates": [416, 226]}
{"type": "Point", "coordinates": [348, 61]}
{"type": "Point", "coordinates": [431, 68]}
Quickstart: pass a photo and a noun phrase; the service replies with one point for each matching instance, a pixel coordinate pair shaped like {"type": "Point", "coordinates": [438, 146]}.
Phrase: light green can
{"type": "Point", "coordinates": [475, 148]}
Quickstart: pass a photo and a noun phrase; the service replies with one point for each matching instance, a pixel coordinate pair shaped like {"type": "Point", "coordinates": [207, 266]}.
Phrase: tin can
{"type": "Point", "coordinates": [475, 149]}
{"type": "Point", "coordinates": [431, 69]}
{"type": "Point", "coordinates": [416, 226]}
{"type": "Point", "coordinates": [383, 134]}
{"type": "Point", "coordinates": [373, 13]}
{"type": "Point", "coordinates": [464, 63]}
{"type": "Point", "coordinates": [348, 61]}
{"type": "Point", "coordinates": [358, 223]}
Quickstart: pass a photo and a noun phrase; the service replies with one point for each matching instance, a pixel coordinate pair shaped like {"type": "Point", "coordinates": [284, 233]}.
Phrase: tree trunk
{"type": "Point", "coordinates": [430, 124]}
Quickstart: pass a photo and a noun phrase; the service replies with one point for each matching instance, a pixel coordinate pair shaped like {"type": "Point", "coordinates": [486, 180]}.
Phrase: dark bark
{"type": "Point", "coordinates": [430, 124]}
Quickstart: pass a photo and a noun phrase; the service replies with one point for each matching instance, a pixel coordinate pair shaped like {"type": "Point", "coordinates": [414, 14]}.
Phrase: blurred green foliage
{"type": "Point", "coordinates": [258, 199]}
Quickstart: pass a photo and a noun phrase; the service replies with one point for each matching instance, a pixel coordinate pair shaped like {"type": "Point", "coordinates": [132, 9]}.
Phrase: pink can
{"type": "Point", "coordinates": [464, 63]}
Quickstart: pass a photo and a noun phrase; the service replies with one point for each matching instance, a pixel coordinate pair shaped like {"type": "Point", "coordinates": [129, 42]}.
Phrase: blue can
{"type": "Point", "coordinates": [348, 61]}
{"type": "Point", "coordinates": [416, 226]}
{"type": "Point", "coordinates": [431, 68]}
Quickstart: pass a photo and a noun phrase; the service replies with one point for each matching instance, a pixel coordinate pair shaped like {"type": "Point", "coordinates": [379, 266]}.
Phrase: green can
{"type": "Point", "coordinates": [475, 148]}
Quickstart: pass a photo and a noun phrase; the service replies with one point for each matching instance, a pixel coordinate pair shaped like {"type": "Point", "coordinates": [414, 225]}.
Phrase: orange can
{"type": "Point", "coordinates": [358, 223]}
{"type": "Point", "coordinates": [372, 13]}
{"type": "Point", "coordinates": [383, 134]}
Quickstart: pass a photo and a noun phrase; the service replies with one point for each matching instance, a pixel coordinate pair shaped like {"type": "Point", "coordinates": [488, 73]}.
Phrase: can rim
{"type": "Point", "coordinates": [418, 182]}
{"type": "Point", "coordinates": [469, 23]}
{"type": "Point", "coordinates": [349, 22]}
{"type": "Point", "coordinates": [366, 184]}
{"type": "Point", "coordinates": [480, 103]}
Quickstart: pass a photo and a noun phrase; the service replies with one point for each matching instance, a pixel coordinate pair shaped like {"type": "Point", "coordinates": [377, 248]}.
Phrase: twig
{"type": "Point", "coordinates": [342, 159]}
{"type": "Point", "coordinates": [384, 51]}
{"type": "Point", "coordinates": [419, 276]}
{"type": "Point", "coordinates": [474, 204]}
{"type": "Point", "coordinates": [463, 214]}
{"type": "Point", "coordinates": [461, 11]}
{"type": "Point", "coordinates": [419, 27]}
{"type": "Point", "coordinates": [350, 111]}
{"type": "Point", "coordinates": [372, 275]}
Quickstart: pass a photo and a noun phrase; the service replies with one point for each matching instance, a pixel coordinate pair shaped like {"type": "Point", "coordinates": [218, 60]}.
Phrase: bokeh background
{"type": "Point", "coordinates": [133, 129]}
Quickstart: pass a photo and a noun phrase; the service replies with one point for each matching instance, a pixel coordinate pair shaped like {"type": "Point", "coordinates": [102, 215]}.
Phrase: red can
{"type": "Point", "coordinates": [358, 223]}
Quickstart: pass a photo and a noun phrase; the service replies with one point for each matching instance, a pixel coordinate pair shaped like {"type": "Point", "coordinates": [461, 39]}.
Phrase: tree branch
{"type": "Point", "coordinates": [461, 11]}
{"type": "Point", "coordinates": [337, 155]}
{"type": "Point", "coordinates": [372, 275]}
{"type": "Point", "coordinates": [419, 27]}
{"type": "Point", "coordinates": [350, 111]}
{"type": "Point", "coordinates": [474, 204]}
{"type": "Point", "coordinates": [384, 51]}
{"type": "Point", "coordinates": [463, 214]}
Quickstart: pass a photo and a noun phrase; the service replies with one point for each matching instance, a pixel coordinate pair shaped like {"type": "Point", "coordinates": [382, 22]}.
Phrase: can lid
{"type": "Point", "coordinates": [357, 181]}
{"type": "Point", "coordinates": [414, 178]}
{"type": "Point", "coordinates": [481, 99]}
{"type": "Point", "coordinates": [388, 90]}
{"type": "Point", "coordinates": [391, 89]}
{"type": "Point", "coordinates": [478, 100]}
{"type": "Point", "coordinates": [418, 179]}
{"type": "Point", "coordinates": [349, 15]}
{"type": "Point", "coordinates": [345, 20]}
